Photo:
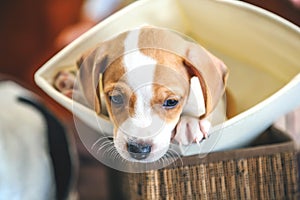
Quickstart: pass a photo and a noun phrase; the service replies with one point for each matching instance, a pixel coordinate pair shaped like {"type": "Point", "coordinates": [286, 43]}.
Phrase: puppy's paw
{"type": "Point", "coordinates": [64, 82]}
{"type": "Point", "coordinates": [191, 130]}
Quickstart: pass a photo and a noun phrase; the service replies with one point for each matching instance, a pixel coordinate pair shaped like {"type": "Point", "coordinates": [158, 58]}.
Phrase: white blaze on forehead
{"type": "Point", "coordinates": [140, 70]}
{"type": "Point", "coordinates": [135, 58]}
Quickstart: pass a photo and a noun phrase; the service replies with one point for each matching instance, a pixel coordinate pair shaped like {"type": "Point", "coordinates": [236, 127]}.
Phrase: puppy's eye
{"type": "Point", "coordinates": [117, 99]}
{"type": "Point", "coordinates": [170, 103]}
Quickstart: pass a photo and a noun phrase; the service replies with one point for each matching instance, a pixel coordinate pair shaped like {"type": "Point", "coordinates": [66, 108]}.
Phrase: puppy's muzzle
{"type": "Point", "coordinates": [138, 151]}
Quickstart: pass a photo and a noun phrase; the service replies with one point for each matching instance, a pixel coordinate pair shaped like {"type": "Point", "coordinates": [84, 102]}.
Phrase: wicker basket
{"type": "Point", "coordinates": [266, 170]}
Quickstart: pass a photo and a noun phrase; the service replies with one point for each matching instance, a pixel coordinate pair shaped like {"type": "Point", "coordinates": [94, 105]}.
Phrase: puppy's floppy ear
{"type": "Point", "coordinates": [91, 67]}
{"type": "Point", "coordinates": [211, 72]}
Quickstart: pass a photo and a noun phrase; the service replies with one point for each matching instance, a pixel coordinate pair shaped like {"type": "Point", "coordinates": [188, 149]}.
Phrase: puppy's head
{"type": "Point", "coordinates": [143, 79]}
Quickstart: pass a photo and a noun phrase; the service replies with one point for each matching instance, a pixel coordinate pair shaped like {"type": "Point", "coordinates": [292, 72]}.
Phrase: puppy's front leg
{"type": "Point", "coordinates": [191, 130]}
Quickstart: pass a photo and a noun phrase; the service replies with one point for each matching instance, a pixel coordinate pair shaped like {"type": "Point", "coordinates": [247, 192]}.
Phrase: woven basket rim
{"type": "Point", "coordinates": [283, 143]}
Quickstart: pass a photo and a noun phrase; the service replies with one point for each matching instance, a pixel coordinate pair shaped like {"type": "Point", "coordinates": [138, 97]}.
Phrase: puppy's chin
{"type": "Point", "coordinates": [154, 156]}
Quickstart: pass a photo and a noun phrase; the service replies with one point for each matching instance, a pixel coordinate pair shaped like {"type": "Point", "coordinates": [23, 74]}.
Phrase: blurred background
{"type": "Point", "coordinates": [32, 31]}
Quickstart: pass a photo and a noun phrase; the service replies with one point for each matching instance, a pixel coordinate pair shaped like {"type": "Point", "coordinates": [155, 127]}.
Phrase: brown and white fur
{"type": "Point", "coordinates": [144, 79]}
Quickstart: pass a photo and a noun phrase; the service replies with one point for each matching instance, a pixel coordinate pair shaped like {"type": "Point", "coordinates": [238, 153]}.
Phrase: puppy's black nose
{"type": "Point", "coordinates": [138, 151]}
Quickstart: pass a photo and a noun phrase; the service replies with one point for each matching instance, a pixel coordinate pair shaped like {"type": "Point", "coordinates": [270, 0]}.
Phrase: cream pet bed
{"type": "Point", "coordinates": [262, 51]}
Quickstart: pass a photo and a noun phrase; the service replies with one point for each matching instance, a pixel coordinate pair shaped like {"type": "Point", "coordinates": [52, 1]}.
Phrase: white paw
{"type": "Point", "coordinates": [191, 130]}
{"type": "Point", "coordinates": [64, 83]}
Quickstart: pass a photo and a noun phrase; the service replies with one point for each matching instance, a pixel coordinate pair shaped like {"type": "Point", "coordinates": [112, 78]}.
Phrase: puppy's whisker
{"type": "Point", "coordinates": [98, 141]}
{"type": "Point", "coordinates": [107, 145]}
{"type": "Point", "coordinates": [105, 138]}
{"type": "Point", "coordinates": [120, 158]}
{"type": "Point", "coordinates": [162, 161]}
{"type": "Point", "coordinates": [112, 154]}
{"type": "Point", "coordinates": [108, 150]}
{"type": "Point", "coordinates": [113, 151]}
{"type": "Point", "coordinates": [117, 157]}
{"type": "Point", "coordinates": [167, 159]}
{"type": "Point", "coordinates": [178, 156]}
{"type": "Point", "coordinates": [174, 156]}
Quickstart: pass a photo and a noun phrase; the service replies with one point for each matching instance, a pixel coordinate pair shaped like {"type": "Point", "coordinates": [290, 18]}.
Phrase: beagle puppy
{"type": "Point", "coordinates": [155, 85]}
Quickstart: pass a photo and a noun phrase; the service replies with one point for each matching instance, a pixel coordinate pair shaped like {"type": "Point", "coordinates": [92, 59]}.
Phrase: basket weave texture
{"type": "Point", "coordinates": [266, 171]}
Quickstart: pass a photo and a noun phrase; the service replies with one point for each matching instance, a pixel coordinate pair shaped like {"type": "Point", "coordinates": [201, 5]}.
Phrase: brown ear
{"type": "Point", "coordinates": [91, 65]}
{"type": "Point", "coordinates": [211, 72]}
